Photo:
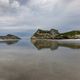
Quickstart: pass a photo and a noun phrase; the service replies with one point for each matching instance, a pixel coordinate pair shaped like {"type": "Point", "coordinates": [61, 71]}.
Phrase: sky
{"type": "Point", "coordinates": [44, 14]}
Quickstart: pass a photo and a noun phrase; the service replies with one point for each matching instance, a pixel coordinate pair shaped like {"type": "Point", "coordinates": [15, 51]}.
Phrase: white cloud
{"type": "Point", "coordinates": [7, 20]}
{"type": "Point", "coordinates": [4, 2]}
{"type": "Point", "coordinates": [15, 4]}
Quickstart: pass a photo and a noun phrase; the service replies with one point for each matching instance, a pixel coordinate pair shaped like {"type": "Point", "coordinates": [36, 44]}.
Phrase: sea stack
{"type": "Point", "coordinates": [9, 37]}
{"type": "Point", "coordinates": [45, 34]}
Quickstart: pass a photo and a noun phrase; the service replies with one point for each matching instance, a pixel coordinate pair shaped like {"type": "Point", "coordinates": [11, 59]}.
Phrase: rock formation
{"type": "Point", "coordinates": [45, 34]}
{"type": "Point", "coordinates": [69, 35]}
{"type": "Point", "coordinates": [9, 37]}
{"type": "Point", "coordinates": [54, 34]}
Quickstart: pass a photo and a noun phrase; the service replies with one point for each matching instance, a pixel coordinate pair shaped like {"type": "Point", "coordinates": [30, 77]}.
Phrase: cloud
{"type": "Point", "coordinates": [65, 14]}
{"type": "Point", "coordinates": [15, 4]}
{"type": "Point", "coordinates": [4, 2]}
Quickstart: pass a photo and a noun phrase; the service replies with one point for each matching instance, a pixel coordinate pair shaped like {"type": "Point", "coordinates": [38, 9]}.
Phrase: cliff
{"type": "Point", "coordinates": [45, 34]}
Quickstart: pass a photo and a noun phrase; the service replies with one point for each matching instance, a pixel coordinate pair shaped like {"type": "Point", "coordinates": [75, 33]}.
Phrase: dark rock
{"type": "Point", "coordinates": [54, 34]}
{"type": "Point", "coordinates": [69, 35]}
{"type": "Point", "coordinates": [8, 37]}
{"type": "Point", "coordinates": [45, 34]}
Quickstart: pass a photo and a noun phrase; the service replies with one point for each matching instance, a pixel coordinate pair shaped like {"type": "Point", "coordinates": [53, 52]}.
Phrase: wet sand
{"type": "Point", "coordinates": [25, 62]}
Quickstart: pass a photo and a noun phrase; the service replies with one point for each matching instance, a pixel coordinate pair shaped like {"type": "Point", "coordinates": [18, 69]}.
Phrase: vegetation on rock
{"type": "Point", "coordinates": [69, 35]}
{"type": "Point", "coordinates": [45, 34]}
{"type": "Point", "coordinates": [54, 34]}
{"type": "Point", "coordinates": [8, 37]}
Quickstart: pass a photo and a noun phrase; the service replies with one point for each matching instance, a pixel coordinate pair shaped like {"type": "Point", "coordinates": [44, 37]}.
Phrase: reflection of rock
{"type": "Point", "coordinates": [72, 45]}
{"type": "Point", "coordinates": [9, 37]}
{"type": "Point", "coordinates": [41, 44]}
{"type": "Point", "coordinates": [9, 42]}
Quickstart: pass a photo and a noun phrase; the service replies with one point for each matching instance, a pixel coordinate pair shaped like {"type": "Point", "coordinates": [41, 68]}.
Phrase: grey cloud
{"type": "Point", "coordinates": [22, 2]}
{"type": "Point", "coordinates": [61, 13]}
{"type": "Point", "coordinates": [7, 6]}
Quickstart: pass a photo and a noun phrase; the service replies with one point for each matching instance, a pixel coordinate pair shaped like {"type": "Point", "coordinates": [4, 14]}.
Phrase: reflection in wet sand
{"type": "Point", "coordinates": [28, 63]}
{"type": "Point", "coordinates": [41, 44]}
{"type": "Point", "coordinates": [9, 42]}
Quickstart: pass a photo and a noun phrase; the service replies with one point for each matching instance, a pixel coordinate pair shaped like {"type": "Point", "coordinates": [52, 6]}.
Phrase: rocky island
{"type": "Point", "coordinates": [55, 34]}
{"type": "Point", "coordinates": [9, 37]}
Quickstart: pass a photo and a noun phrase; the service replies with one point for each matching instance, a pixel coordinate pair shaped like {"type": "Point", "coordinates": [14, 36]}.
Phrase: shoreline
{"type": "Point", "coordinates": [62, 41]}
{"type": "Point", "coordinates": [8, 40]}
{"type": "Point", "coordinates": [56, 39]}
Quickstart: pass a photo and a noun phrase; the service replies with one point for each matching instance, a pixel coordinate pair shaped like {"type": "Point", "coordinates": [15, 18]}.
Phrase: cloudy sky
{"type": "Point", "coordinates": [44, 14]}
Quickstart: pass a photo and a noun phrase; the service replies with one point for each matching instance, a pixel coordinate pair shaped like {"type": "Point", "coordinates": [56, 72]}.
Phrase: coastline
{"type": "Point", "coordinates": [8, 40]}
{"type": "Point", "coordinates": [61, 41]}
{"type": "Point", "coordinates": [57, 39]}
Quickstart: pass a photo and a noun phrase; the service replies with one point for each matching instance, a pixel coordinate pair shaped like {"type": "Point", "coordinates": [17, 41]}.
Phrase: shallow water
{"type": "Point", "coordinates": [39, 60]}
